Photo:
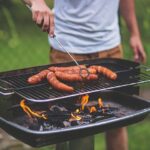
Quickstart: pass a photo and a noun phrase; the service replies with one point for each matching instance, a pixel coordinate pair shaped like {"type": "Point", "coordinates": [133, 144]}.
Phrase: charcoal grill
{"type": "Point", "coordinates": [131, 109]}
{"type": "Point", "coordinates": [16, 81]}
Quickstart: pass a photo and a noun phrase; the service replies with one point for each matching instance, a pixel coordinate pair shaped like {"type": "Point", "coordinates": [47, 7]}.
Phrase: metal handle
{"type": "Point", "coordinates": [81, 69]}
{"type": "Point", "coordinates": [66, 50]}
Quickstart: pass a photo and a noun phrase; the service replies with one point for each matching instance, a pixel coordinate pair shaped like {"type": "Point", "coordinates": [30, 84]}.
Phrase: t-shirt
{"type": "Point", "coordinates": [86, 26]}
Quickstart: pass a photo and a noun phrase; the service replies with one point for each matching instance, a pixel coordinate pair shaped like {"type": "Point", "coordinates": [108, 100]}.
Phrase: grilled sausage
{"type": "Point", "coordinates": [92, 77]}
{"type": "Point", "coordinates": [84, 71]}
{"type": "Point", "coordinates": [105, 71]}
{"type": "Point", "coordinates": [38, 77]}
{"type": "Point", "coordinates": [68, 77]}
{"type": "Point", "coordinates": [51, 77]}
{"type": "Point", "coordinates": [65, 68]}
{"type": "Point", "coordinates": [75, 76]}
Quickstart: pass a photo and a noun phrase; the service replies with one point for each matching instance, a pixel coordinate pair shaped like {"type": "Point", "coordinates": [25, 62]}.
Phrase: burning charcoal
{"type": "Point", "coordinates": [87, 117]}
{"type": "Point", "coordinates": [66, 124]}
{"type": "Point", "coordinates": [47, 126]}
{"type": "Point", "coordinates": [56, 108]}
{"type": "Point", "coordinates": [41, 128]}
{"type": "Point", "coordinates": [54, 116]}
{"type": "Point", "coordinates": [98, 118]}
{"type": "Point", "coordinates": [59, 124]}
{"type": "Point", "coordinates": [34, 127]}
{"type": "Point", "coordinates": [109, 111]}
{"type": "Point", "coordinates": [30, 123]}
{"type": "Point", "coordinates": [75, 122]}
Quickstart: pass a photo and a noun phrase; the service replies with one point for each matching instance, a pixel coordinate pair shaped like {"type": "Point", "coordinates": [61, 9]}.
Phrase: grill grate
{"type": "Point", "coordinates": [128, 74]}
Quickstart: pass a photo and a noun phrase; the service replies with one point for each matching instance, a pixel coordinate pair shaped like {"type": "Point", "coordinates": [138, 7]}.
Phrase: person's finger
{"type": "Point", "coordinates": [46, 22]}
{"type": "Point", "coordinates": [51, 31]}
{"type": "Point", "coordinates": [34, 15]}
{"type": "Point", "coordinates": [39, 19]}
{"type": "Point", "coordinates": [142, 55]}
{"type": "Point", "coordinates": [136, 54]}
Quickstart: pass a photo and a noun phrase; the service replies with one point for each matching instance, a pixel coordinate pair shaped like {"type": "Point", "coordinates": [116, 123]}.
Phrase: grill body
{"type": "Point", "coordinates": [14, 87]}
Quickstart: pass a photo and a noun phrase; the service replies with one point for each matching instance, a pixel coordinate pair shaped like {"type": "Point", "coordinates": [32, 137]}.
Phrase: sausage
{"type": "Point", "coordinates": [68, 77]}
{"type": "Point", "coordinates": [38, 77]}
{"type": "Point", "coordinates": [65, 68]}
{"type": "Point", "coordinates": [105, 71]}
{"type": "Point", "coordinates": [34, 79]}
{"type": "Point", "coordinates": [92, 77]}
{"type": "Point", "coordinates": [75, 77]}
{"type": "Point", "coordinates": [51, 77]}
{"type": "Point", "coordinates": [84, 71]}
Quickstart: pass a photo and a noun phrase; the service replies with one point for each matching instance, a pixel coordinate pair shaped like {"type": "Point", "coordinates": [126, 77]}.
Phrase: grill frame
{"type": "Point", "coordinates": [32, 92]}
{"type": "Point", "coordinates": [38, 138]}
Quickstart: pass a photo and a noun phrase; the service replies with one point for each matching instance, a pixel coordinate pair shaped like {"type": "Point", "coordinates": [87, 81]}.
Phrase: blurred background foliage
{"type": "Point", "coordinates": [22, 44]}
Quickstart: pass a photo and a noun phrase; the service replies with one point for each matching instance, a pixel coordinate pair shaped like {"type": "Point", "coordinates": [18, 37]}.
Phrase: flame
{"type": "Point", "coordinates": [31, 113]}
{"type": "Point", "coordinates": [93, 109]}
{"type": "Point", "coordinates": [100, 103]}
{"type": "Point", "coordinates": [84, 101]}
{"type": "Point", "coordinates": [74, 117]}
{"type": "Point", "coordinates": [77, 111]}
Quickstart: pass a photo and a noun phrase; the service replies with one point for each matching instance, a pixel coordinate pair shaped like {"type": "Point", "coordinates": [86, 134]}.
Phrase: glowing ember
{"type": "Point", "coordinates": [31, 113]}
{"type": "Point", "coordinates": [77, 111]}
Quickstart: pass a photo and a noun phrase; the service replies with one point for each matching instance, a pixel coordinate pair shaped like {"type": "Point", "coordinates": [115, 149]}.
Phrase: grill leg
{"type": "Point", "coordinates": [86, 143]}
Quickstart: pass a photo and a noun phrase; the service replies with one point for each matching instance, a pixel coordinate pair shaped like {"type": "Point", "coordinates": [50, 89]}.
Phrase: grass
{"type": "Point", "coordinates": [22, 44]}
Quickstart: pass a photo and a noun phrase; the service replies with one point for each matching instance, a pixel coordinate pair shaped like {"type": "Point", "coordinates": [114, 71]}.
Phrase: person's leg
{"type": "Point", "coordinates": [117, 139]}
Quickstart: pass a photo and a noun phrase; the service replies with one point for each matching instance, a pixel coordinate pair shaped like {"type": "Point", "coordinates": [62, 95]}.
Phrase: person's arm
{"type": "Point", "coordinates": [42, 15]}
{"type": "Point", "coordinates": [127, 9]}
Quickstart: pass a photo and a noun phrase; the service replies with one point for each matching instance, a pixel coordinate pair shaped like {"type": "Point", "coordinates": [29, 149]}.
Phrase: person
{"type": "Point", "coordinates": [89, 29]}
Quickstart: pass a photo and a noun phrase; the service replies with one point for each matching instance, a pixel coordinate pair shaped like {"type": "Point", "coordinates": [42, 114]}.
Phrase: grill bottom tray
{"type": "Point", "coordinates": [133, 109]}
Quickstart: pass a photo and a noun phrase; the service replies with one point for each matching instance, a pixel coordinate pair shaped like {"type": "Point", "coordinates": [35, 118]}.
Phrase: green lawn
{"type": "Point", "coordinates": [22, 44]}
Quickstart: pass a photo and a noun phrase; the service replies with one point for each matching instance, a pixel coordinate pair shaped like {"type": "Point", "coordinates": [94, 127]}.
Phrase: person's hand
{"type": "Point", "coordinates": [136, 45]}
{"type": "Point", "coordinates": [43, 16]}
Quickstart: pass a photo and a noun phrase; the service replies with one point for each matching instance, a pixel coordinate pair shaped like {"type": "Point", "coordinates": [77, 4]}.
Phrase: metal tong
{"type": "Point", "coordinates": [75, 61]}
